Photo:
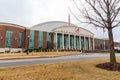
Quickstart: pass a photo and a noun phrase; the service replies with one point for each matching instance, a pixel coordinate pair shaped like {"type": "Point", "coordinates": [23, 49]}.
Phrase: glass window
{"type": "Point", "coordinates": [8, 38]}
{"type": "Point", "coordinates": [40, 41]}
{"type": "Point", "coordinates": [58, 41]}
{"type": "Point", "coordinates": [82, 43]}
{"type": "Point", "coordinates": [71, 41]}
{"type": "Point", "coordinates": [87, 43]}
{"type": "Point", "coordinates": [77, 42]}
{"type": "Point", "coordinates": [96, 43]}
{"type": "Point", "coordinates": [31, 41]}
{"type": "Point", "coordinates": [101, 44]}
{"type": "Point", "coordinates": [65, 41]}
{"type": "Point", "coordinates": [48, 40]}
{"type": "Point", "coordinates": [105, 46]}
{"type": "Point", "coordinates": [20, 39]}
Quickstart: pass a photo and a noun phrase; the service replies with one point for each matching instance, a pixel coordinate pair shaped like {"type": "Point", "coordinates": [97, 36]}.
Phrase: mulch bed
{"type": "Point", "coordinates": [109, 66]}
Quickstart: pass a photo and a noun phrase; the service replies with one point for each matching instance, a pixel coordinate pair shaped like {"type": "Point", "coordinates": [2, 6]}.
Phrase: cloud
{"type": "Point", "coordinates": [16, 11]}
{"type": "Point", "coordinates": [32, 12]}
{"type": "Point", "coordinates": [47, 10]}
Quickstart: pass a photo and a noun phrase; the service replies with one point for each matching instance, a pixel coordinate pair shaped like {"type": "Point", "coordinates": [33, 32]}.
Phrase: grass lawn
{"type": "Point", "coordinates": [77, 70]}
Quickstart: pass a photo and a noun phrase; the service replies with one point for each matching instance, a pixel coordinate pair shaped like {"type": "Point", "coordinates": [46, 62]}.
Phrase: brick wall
{"type": "Point", "coordinates": [101, 47]}
{"type": "Point", "coordinates": [52, 40]}
{"type": "Point", "coordinates": [2, 36]}
{"type": "Point", "coordinates": [26, 38]}
{"type": "Point", "coordinates": [44, 40]}
{"type": "Point", "coordinates": [36, 39]}
{"type": "Point", "coordinates": [16, 30]}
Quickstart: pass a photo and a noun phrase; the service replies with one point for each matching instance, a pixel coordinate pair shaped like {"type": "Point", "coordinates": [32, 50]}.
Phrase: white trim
{"type": "Point", "coordinates": [63, 41]}
{"type": "Point", "coordinates": [93, 44]}
{"type": "Point", "coordinates": [69, 40]}
{"type": "Point", "coordinates": [12, 25]}
{"type": "Point", "coordinates": [89, 43]}
{"type": "Point", "coordinates": [74, 41]}
{"type": "Point", "coordinates": [11, 50]}
{"type": "Point", "coordinates": [56, 41]}
{"type": "Point", "coordinates": [85, 43]}
{"type": "Point", "coordinates": [80, 41]}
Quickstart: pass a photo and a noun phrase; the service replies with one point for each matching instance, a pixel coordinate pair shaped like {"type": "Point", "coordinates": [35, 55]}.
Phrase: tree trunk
{"type": "Point", "coordinates": [111, 42]}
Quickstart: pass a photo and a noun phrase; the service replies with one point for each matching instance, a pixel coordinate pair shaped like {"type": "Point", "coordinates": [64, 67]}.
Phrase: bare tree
{"type": "Point", "coordinates": [103, 14]}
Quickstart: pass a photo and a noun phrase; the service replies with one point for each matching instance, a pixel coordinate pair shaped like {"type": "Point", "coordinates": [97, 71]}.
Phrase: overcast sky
{"type": "Point", "coordinates": [31, 12]}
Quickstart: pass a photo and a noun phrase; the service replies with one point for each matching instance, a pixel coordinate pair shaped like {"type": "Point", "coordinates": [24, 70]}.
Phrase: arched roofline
{"type": "Point", "coordinates": [73, 26]}
{"type": "Point", "coordinates": [13, 25]}
{"type": "Point", "coordinates": [51, 22]}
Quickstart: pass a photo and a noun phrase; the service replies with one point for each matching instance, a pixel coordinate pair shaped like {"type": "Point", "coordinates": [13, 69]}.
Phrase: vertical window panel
{"type": "Point", "coordinates": [20, 36]}
{"type": "Point", "coordinates": [58, 42]}
{"type": "Point", "coordinates": [31, 40]}
{"type": "Point", "coordinates": [40, 41]}
{"type": "Point", "coordinates": [82, 43]}
{"type": "Point", "coordinates": [101, 44]}
{"type": "Point", "coordinates": [8, 38]}
{"type": "Point", "coordinates": [48, 40]}
{"type": "Point", "coordinates": [77, 42]}
{"type": "Point", "coordinates": [71, 42]}
{"type": "Point", "coordinates": [87, 43]}
{"type": "Point", "coordinates": [66, 41]}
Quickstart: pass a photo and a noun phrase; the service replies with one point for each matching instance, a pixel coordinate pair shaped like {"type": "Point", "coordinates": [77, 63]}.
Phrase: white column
{"type": "Point", "coordinates": [56, 41]}
{"type": "Point", "coordinates": [63, 41]}
{"type": "Point", "coordinates": [69, 41]}
{"type": "Point", "coordinates": [89, 43]}
{"type": "Point", "coordinates": [74, 41]}
{"type": "Point", "coordinates": [84, 43]}
{"type": "Point", "coordinates": [104, 43]}
{"type": "Point", "coordinates": [93, 44]}
{"type": "Point", "coordinates": [80, 41]}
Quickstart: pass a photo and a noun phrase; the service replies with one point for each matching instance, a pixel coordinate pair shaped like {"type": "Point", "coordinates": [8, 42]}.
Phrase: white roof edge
{"type": "Point", "coordinates": [40, 30]}
{"type": "Point", "coordinates": [50, 22]}
{"type": "Point", "coordinates": [74, 26]}
{"type": "Point", "coordinates": [86, 30]}
{"type": "Point", "coordinates": [13, 25]}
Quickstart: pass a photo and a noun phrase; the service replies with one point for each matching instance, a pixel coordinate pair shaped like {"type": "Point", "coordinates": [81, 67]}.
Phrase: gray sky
{"type": "Point", "coordinates": [32, 12]}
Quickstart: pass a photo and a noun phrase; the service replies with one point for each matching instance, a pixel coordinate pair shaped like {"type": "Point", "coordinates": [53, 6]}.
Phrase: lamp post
{"type": "Point", "coordinates": [28, 45]}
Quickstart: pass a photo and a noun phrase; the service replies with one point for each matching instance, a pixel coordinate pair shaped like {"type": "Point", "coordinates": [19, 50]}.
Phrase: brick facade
{"type": "Point", "coordinates": [2, 36]}
{"type": "Point", "coordinates": [99, 43]}
{"type": "Point", "coordinates": [44, 40]}
{"type": "Point", "coordinates": [36, 39]}
{"type": "Point", "coordinates": [26, 38]}
{"type": "Point", "coordinates": [52, 40]}
{"type": "Point", "coordinates": [16, 30]}
{"type": "Point", "coordinates": [102, 44]}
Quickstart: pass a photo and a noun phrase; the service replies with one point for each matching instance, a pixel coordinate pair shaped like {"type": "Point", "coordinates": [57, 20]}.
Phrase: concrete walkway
{"type": "Point", "coordinates": [22, 62]}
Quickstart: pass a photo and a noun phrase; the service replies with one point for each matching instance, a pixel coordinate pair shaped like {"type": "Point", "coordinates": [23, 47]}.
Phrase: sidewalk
{"type": "Point", "coordinates": [9, 56]}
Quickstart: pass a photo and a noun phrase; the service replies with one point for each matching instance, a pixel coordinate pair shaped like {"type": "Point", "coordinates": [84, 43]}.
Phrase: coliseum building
{"type": "Point", "coordinates": [54, 35]}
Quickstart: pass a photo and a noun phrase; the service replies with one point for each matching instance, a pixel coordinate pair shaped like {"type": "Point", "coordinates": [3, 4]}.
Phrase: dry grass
{"type": "Point", "coordinates": [34, 55]}
{"type": "Point", "coordinates": [78, 70]}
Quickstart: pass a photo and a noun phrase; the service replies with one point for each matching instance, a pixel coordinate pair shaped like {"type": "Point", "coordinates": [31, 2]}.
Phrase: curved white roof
{"type": "Point", "coordinates": [62, 27]}
{"type": "Point", "coordinates": [49, 26]}
{"type": "Point", "coordinates": [73, 30]}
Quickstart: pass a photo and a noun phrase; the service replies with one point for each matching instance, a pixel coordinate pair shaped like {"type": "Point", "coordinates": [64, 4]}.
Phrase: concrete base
{"type": "Point", "coordinates": [8, 50]}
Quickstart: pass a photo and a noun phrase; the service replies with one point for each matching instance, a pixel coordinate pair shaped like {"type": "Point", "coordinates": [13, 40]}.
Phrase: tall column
{"type": "Point", "coordinates": [84, 43]}
{"type": "Point", "coordinates": [93, 44]}
{"type": "Point", "coordinates": [69, 41]}
{"type": "Point", "coordinates": [89, 43]}
{"type": "Point", "coordinates": [74, 41]}
{"type": "Point", "coordinates": [62, 41]}
{"type": "Point", "coordinates": [80, 41]}
{"type": "Point", "coordinates": [56, 40]}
